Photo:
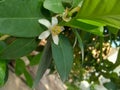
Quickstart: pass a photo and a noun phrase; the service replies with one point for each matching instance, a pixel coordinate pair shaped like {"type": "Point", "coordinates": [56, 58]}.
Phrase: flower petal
{"type": "Point", "coordinates": [55, 39]}
{"type": "Point", "coordinates": [44, 34]}
{"type": "Point", "coordinates": [54, 21]}
{"type": "Point", "coordinates": [44, 22]}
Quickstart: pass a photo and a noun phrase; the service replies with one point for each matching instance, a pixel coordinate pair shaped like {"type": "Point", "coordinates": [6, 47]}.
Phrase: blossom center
{"type": "Point", "coordinates": [55, 30]}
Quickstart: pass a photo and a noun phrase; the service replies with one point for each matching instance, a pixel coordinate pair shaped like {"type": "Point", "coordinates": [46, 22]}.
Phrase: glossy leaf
{"type": "Point", "coordinates": [20, 18]}
{"type": "Point", "coordinates": [63, 57]}
{"type": "Point", "coordinates": [105, 11]}
{"type": "Point", "coordinates": [18, 48]}
{"type": "Point", "coordinates": [91, 22]}
{"type": "Point", "coordinates": [45, 62]}
{"type": "Point", "coordinates": [98, 30]}
{"type": "Point", "coordinates": [54, 5]}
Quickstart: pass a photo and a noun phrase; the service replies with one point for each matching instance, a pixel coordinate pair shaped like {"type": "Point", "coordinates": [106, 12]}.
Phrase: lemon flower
{"type": "Point", "coordinates": [53, 29]}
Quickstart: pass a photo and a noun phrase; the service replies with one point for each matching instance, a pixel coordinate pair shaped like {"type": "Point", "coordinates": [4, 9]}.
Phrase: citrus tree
{"type": "Point", "coordinates": [77, 36]}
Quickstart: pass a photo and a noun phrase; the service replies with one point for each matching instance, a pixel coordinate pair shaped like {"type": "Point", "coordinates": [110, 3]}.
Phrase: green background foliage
{"type": "Point", "coordinates": [93, 24]}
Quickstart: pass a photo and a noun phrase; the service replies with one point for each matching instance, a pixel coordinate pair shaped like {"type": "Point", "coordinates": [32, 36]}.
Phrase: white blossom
{"type": "Point", "coordinates": [53, 29]}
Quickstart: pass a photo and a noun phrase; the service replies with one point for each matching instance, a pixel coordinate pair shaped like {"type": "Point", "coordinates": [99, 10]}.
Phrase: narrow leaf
{"type": "Point", "coordinates": [63, 57]}
{"type": "Point", "coordinates": [28, 78]}
{"type": "Point", "coordinates": [91, 22]}
{"type": "Point", "coordinates": [118, 58]}
{"type": "Point", "coordinates": [3, 67]}
{"type": "Point", "coordinates": [3, 72]}
{"type": "Point", "coordinates": [98, 30]}
{"type": "Point", "coordinates": [80, 43]}
{"type": "Point", "coordinates": [44, 63]}
{"type": "Point", "coordinates": [20, 68]}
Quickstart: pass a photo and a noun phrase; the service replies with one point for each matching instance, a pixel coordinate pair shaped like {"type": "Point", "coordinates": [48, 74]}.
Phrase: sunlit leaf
{"type": "Point", "coordinates": [91, 22]}
{"type": "Point", "coordinates": [98, 30]}
{"type": "Point", "coordinates": [105, 11]}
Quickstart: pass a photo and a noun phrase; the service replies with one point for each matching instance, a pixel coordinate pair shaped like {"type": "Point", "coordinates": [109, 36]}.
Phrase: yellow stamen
{"type": "Point", "coordinates": [55, 30]}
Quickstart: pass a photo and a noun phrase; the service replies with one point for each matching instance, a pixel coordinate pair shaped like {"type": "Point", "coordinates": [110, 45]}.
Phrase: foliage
{"type": "Point", "coordinates": [90, 28]}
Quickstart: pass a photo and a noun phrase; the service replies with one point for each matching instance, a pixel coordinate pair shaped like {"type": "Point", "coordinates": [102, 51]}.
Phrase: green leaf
{"type": "Point", "coordinates": [91, 22]}
{"type": "Point", "coordinates": [20, 18]}
{"type": "Point", "coordinates": [80, 43]}
{"type": "Point", "coordinates": [98, 30]}
{"type": "Point", "coordinates": [72, 3]}
{"type": "Point", "coordinates": [113, 30]}
{"type": "Point", "coordinates": [54, 5]}
{"type": "Point", "coordinates": [3, 67]}
{"type": "Point", "coordinates": [2, 45]}
{"type": "Point", "coordinates": [44, 63]}
{"type": "Point", "coordinates": [118, 58]}
{"type": "Point", "coordinates": [20, 68]}
{"type": "Point", "coordinates": [18, 48]}
{"type": "Point", "coordinates": [35, 59]}
{"type": "Point", "coordinates": [28, 78]}
{"type": "Point", "coordinates": [63, 57]}
{"type": "Point", "coordinates": [76, 2]}
{"type": "Point", "coordinates": [3, 72]}
{"type": "Point", "coordinates": [110, 86]}
{"type": "Point", "coordinates": [105, 11]}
